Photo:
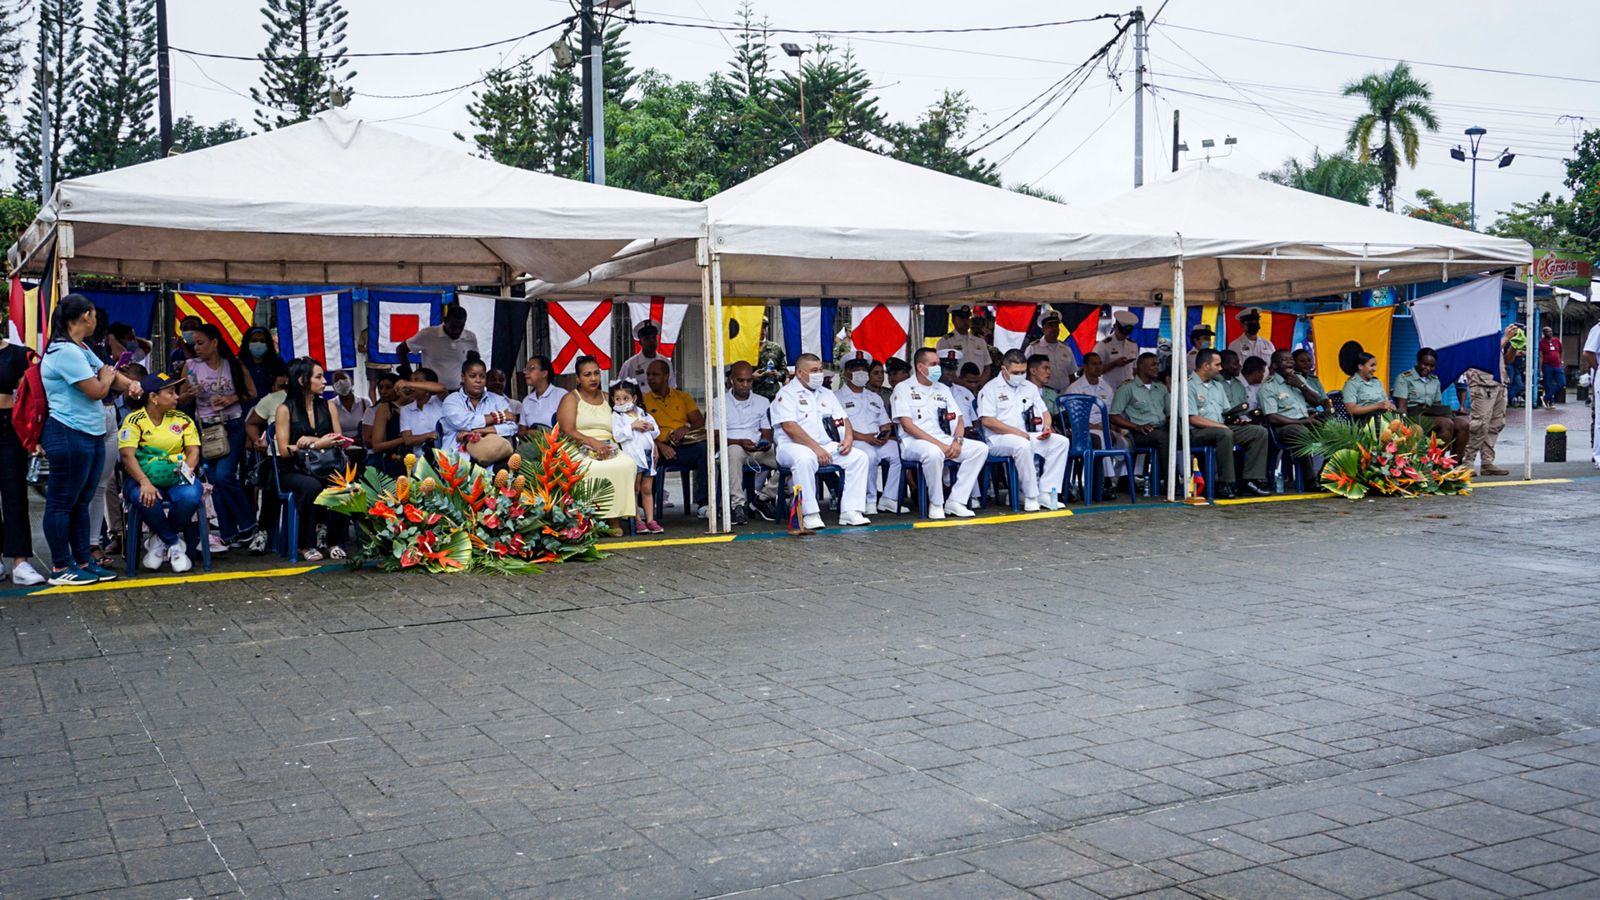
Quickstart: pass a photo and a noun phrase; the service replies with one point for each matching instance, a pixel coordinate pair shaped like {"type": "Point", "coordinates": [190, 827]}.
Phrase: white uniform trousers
{"type": "Point", "coordinates": [1053, 450]}
{"type": "Point", "coordinates": [930, 458]}
{"type": "Point", "coordinates": [888, 453]}
{"type": "Point", "coordinates": [802, 464]}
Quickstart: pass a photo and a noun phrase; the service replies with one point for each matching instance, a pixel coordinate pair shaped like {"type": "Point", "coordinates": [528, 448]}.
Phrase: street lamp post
{"type": "Point", "coordinates": [1503, 158]}
{"type": "Point", "coordinates": [798, 52]}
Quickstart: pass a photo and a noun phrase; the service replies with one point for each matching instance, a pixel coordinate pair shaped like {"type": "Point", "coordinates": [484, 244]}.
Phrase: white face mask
{"type": "Point", "coordinates": [859, 378]}
{"type": "Point", "coordinates": [1014, 380]}
{"type": "Point", "coordinates": [343, 387]}
{"type": "Point", "coordinates": [625, 406]}
{"type": "Point", "coordinates": [811, 380]}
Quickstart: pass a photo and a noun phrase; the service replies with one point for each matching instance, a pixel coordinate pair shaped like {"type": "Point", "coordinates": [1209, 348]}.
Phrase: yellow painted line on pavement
{"type": "Point", "coordinates": [1519, 482]}
{"type": "Point", "coordinates": [666, 542]}
{"type": "Point", "coordinates": [995, 520]}
{"type": "Point", "coordinates": [175, 579]}
{"type": "Point", "coordinates": [1276, 498]}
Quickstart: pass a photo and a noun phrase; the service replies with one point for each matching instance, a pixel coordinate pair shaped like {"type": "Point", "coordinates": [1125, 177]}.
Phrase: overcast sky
{"type": "Point", "coordinates": [1278, 101]}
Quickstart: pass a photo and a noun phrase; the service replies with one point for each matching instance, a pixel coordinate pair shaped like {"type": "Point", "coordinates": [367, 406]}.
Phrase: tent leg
{"type": "Point", "coordinates": [712, 413]}
{"type": "Point", "coordinates": [1178, 463]}
{"type": "Point", "coordinates": [1528, 391]}
{"type": "Point", "coordinates": [724, 499]}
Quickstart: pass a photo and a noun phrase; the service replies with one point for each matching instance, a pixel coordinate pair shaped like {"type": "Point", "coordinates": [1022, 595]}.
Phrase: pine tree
{"type": "Point", "coordinates": [751, 56]}
{"type": "Point", "coordinates": [114, 118]}
{"type": "Point", "coordinates": [61, 32]}
{"type": "Point", "coordinates": [11, 63]}
{"type": "Point", "coordinates": [304, 63]}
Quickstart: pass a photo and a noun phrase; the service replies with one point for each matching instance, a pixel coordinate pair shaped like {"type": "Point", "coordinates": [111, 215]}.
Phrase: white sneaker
{"type": "Point", "coordinates": [959, 510]}
{"type": "Point", "coordinates": [888, 505]}
{"type": "Point", "coordinates": [935, 513]}
{"type": "Point", "coordinates": [1030, 505]}
{"type": "Point", "coordinates": [155, 553]}
{"type": "Point", "coordinates": [701, 512]}
{"type": "Point", "coordinates": [813, 523]}
{"type": "Point", "coordinates": [178, 554]}
{"type": "Point", "coordinates": [853, 518]}
{"type": "Point", "coordinates": [25, 574]}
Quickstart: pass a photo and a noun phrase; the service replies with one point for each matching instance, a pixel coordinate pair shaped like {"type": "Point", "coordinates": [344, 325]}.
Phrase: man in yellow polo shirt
{"type": "Point", "coordinates": [683, 428]}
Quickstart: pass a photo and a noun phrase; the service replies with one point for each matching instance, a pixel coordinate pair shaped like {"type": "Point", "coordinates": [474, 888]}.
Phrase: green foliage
{"type": "Point", "coordinates": [1545, 222]}
{"type": "Point", "coordinates": [304, 63]}
{"type": "Point", "coordinates": [1583, 177]}
{"type": "Point", "coordinates": [933, 142]}
{"type": "Point", "coordinates": [61, 33]}
{"type": "Point", "coordinates": [1392, 456]}
{"type": "Point", "coordinates": [1433, 208]}
{"type": "Point", "coordinates": [668, 142]}
{"type": "Point", "coordinates": [16, 214]}
{"type": "Point", "coordinates": [1390, 131]}
{"type": "Point", "coordinates": [118, 103]}
{"type": "Point", "coordinates": [1337, 175]}
{"type": "Point", "coordinates": [1031, 191]}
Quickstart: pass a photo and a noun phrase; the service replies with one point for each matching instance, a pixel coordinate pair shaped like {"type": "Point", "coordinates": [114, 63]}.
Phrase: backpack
{"type": "Point", "coordinates": [30, 407]}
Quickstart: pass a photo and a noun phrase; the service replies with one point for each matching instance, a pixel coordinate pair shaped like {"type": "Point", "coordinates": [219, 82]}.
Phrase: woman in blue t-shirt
{"type": "Point", "coordinates": [75, 381]}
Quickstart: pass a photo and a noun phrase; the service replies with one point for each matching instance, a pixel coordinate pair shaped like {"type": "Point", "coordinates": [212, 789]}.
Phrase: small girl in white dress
{"type": "Point", "coordinates": [635, 433]}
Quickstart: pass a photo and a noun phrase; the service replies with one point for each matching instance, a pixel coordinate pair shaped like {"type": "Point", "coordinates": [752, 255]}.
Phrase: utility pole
{"type": "Point", "coordinates": [1138, 96]}
{"type": "Point", "coordinates": [46, 145]}
{"type": "Point", "coordinates": [594, 92]}
{"type": "Point", "coordinates": [1175, 140]}
{"type": "Point", "coordinates": [163, 78]}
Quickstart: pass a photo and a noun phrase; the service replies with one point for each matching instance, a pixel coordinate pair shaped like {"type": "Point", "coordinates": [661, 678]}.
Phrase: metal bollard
{"type": "Point", "coordinates": [1555, 444]}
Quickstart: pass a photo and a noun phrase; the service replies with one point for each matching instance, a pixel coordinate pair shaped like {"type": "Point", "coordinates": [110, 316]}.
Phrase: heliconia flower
{"type": "Point", "coordinates": [402, 488]}
{"type": "Point", "coordinates": [381, 510]}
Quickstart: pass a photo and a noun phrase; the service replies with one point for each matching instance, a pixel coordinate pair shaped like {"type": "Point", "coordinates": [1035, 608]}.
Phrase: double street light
{"type": "Point", "coordinates": [797, 52]}
{"type": "Point", "coordinates": [1502, 159]}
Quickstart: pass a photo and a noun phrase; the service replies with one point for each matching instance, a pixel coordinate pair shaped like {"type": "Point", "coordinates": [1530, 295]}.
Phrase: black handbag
{"type": "Point", "coordinates": [321, 463]}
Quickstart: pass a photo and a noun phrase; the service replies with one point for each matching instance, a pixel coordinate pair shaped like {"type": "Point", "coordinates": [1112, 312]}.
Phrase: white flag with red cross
{"type": "Point", "coordinates": [668, 316]}
{"type": "Point", "coordinates": [579, 328]}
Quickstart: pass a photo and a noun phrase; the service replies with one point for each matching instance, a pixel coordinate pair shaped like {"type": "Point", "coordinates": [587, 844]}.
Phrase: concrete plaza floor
{"type": "Point", "coordinates": [1311, 698]}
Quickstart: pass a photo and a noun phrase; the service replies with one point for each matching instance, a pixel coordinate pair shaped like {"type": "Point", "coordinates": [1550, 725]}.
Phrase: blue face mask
{"type": "Point", "coordinates": [188, 336]}
{"type": "Point", "coordinates": [258, 350]}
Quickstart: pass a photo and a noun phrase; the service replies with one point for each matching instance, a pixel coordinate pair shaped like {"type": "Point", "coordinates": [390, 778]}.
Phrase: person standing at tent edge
{"type": "Point", "coordinates": [971, 347]}
{"type": "Point", "coordinates": [1118, 350]}
{"type": "Point", "coordinates": [444, 347]}
{"type": "Point", "coordinates": [1251, 343]}
{"type": "Point", "coordinates": [1488, 409]}
{"type": "Point", "coordinates": [1589, 365]}
{"type": "Point", "coordinates": [634, 367]}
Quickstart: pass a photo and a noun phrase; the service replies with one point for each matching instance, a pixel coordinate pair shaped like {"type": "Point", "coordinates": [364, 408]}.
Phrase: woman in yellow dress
{"type": "Point", "coordinates": [585, 416]}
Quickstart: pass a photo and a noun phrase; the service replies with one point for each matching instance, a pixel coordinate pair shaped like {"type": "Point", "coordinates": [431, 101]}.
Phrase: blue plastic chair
{"type": "Point", "coordinates": [912, 470]}
{"type": "Point", "coordinates": [199, 526]}
{"type": "Point", "coordinates": [1085, 458]}
{"type": "Point", "coordinates": [1208, 468]}
{"type": "Point", "coordinates": [1008, 469]}
{"type": "Point", "coordinates": [287, 541]}
{"type": "Point", "coordinates": [785, 475]}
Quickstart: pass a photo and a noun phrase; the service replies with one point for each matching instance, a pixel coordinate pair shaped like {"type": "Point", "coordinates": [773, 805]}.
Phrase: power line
{"type": "Point", "coordinates": [976, 29]}
{"type": "Point", "coordinates": [1438, 65]}
{"type": "Point", "coordinates": [346, 55]}
{"type": "Point", "coordinates": [1082, 143]}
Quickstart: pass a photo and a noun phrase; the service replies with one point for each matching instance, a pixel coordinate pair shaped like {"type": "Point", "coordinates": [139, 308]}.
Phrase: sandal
{"type": "Point", "coordinates": [336, 552]}
{"type": "Point", "coordinates": [311, 555]}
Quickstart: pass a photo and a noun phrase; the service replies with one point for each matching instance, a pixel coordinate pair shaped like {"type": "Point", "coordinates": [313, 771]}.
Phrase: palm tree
{"type": "Point", "coordinates": [1337, 175]}
{"type": "Point", "coordinates": [1397, 108]}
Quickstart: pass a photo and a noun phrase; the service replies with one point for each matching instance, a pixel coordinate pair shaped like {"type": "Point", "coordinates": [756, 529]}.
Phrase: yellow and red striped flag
{"type": "Point", "coordinates": [233, 316]}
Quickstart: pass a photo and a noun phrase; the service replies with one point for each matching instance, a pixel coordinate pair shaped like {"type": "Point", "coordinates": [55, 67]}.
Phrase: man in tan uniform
{"type": "Point", "coordinates": [1488, 411]}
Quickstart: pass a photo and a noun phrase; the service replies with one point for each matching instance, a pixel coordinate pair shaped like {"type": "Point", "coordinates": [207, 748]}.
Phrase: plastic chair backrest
{"type": "Point", "coordinates": [1078, 409]}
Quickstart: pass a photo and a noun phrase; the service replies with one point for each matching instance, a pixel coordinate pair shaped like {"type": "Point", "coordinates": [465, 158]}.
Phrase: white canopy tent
{"type": "Point", "coordinates": [1248, 240]}
{"type": "Point", "coordinates": [336, 200]}
{"type": "Point", "coordinates": [837, 221]}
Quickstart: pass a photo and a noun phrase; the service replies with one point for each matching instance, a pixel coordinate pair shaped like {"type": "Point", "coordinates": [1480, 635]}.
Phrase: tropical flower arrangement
{"type": "Point", "coordinates": [448, 514]}
{"type": "Point", "coordinates": [1391, 456]}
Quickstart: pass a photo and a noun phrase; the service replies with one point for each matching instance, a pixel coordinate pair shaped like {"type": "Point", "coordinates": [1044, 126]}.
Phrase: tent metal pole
{"type": "Point", "coordinates": [1177, 421]}
{"type": "Point", "coordinates": [708, 340]}
{"type": "Point", "coordinates": [725, 498]}
{"type": "Point", "coordinates": [1529, 387]}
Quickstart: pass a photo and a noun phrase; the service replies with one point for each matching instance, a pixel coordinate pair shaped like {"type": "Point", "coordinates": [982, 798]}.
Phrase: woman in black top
{"type": "Point", "coordinates": [307, 421]}
{"type": "Point", "coordinates": [261, 362]}
{"type": "Point", "coordinates": [18, 541]}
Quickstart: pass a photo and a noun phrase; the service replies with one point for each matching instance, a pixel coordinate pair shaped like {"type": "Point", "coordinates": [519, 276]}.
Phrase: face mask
{"type": "Point", "coordinates": [188, 336]}
{"type": "Point", "coordinates": [811, 380]}
{"type": "Point", "coordinates": [1202, 343]}
{"type": "Point", "coordinates": [258, 350]}
{"type": "Point", "coordinates": [1013, 380]}
{"type": "Point", "coordinates": [859, 379]}
{"type": "Point", "coordinates": [343, 387]}
{"type": "Point", "coordinates": [625, 406]}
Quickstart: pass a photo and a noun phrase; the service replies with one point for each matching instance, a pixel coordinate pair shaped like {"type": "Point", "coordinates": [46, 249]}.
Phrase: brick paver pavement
{"type": "Point", "coordinates": [1312, 699]}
